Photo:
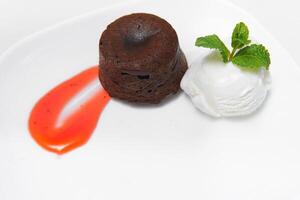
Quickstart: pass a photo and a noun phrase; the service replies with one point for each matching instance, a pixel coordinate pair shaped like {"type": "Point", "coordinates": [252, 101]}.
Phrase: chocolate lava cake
{"type": "Point", "coordinates": [140, 59]}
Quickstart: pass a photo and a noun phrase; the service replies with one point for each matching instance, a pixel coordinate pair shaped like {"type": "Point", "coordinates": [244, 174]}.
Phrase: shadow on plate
{"type": "Point", "coordinates": [163, 103]}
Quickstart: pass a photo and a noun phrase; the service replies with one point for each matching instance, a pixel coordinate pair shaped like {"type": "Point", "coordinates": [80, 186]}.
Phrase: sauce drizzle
{"type": "Point", "coordinates": [76, 129]}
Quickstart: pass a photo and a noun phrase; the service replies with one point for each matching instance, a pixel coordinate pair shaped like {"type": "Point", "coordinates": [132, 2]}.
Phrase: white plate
{"type": "Point", "coordinates": [167, 152]}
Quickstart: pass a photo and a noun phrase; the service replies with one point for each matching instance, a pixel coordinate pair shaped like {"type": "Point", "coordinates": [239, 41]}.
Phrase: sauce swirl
{"type": "Point", "coordinates": [63, 135]}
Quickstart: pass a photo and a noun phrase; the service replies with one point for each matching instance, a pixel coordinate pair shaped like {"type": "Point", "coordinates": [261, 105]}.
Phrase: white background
{"type": "Point", "coordinates": [116, 165]}
{"type": "Point", "coordinates": [19, 18]}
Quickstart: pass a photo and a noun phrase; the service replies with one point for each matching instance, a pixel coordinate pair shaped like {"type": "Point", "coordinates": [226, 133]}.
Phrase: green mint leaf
{"type": "Point", "coordinates": [246, 56]}
{"type": "Point", "coordinates": [240, 36]}
{"type": "Point", "coordinates": [252, 57]}
{"type": "Point", "coordinates": [213, 42]}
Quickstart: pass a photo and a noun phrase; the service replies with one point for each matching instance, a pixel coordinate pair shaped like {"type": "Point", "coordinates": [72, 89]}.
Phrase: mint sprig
{"type": "Point", "coordinates": [214, 42]}
{"type": "Point", "coordinates": [246, 56]}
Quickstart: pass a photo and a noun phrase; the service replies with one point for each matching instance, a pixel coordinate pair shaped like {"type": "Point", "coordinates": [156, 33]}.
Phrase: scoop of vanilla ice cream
{"type": "Point", "coordinates": [225, 90]}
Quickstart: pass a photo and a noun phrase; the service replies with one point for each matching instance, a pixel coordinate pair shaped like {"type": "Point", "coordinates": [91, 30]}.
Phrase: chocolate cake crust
{"type": "Point", "coordinates": [140, 59]}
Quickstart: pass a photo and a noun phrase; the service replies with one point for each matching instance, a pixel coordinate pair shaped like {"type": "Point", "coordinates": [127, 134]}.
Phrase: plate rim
{"type": "Point", "coordinates": [50, 28]}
